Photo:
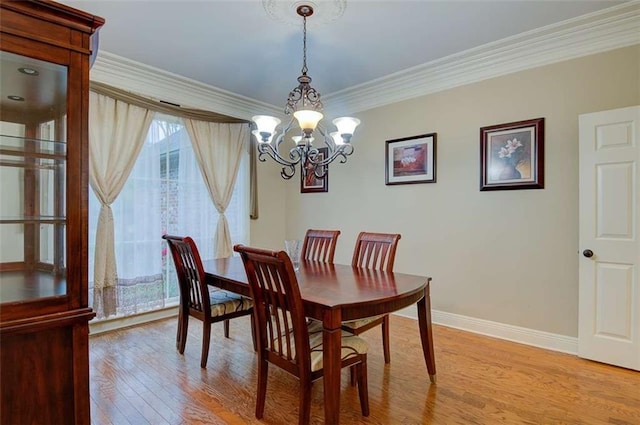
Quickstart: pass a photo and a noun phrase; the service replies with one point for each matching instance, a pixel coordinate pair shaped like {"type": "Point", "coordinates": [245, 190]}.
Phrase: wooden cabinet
{"type": "Point", "coordinates": [45, 52]}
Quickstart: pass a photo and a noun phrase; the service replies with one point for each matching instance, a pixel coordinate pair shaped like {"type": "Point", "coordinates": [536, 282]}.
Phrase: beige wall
{"type": "Point", "coordinates": [505, 256]}
{"type": "Point", "coordinates": [268, 230]}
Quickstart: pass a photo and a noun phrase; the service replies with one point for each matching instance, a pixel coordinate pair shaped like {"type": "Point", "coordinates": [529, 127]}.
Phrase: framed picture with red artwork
{"type": "Point", "coordinates": [411, 160]}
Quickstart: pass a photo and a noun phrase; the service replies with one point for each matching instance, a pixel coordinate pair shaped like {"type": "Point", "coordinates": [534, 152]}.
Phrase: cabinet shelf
{"type": "Point", "coordinates": [21, 286]}
{"type": "Point", "coordinates": [33, 220]}
{"type": "Point", "coordinates": [30, 165]}
{"type": "Point", "coordinates": [32, 148]}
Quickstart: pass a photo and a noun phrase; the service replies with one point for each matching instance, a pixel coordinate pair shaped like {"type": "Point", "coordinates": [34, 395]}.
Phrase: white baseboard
{"type": "Point", "coordinates": [541, 339]}
{"type": "Point", "coordinates": [107, 325]}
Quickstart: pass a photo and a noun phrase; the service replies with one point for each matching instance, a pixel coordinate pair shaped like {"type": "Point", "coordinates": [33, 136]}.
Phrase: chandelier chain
{"type": "Point", "coordinates": [304, 45]}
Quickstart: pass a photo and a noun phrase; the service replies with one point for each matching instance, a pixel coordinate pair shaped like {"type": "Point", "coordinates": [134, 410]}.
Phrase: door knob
{"type": "Point", "coordinates": [587, 253]}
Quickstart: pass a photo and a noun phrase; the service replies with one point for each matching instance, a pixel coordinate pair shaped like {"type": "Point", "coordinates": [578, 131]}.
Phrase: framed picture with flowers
{"type": "Point", "coordinates": [411, 160]}
{"type": "Point", "coordinates": [512, 155]}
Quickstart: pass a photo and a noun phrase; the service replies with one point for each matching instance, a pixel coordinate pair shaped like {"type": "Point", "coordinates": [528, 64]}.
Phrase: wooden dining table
{"type": "Point", "coordinates": [333, 293]}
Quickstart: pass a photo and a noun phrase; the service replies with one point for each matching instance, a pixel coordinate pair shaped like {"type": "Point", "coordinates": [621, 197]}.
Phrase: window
{"type": "Point", "coordinates": [165, 193]}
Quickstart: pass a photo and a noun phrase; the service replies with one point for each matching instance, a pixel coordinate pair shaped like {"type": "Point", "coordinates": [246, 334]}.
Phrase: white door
{"type": "Point", "coordinates": [609, 295]}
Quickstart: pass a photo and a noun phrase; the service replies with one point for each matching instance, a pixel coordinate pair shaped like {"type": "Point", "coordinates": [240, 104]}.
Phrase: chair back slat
{"type": "Point", "coordinates": [320, 245]}
{"type": "Point", "coordinates": [193, 288]}
{"type": "Point", "coordinates": [375, 251]}
{"type": "Point", "coordinates": [278, 310]}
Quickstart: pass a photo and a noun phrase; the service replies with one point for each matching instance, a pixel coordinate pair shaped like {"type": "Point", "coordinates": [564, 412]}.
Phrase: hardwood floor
{"type": "Point", "coordinates": [138, 377]}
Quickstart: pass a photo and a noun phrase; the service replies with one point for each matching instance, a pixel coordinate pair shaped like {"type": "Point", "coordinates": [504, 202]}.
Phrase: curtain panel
{"type": "Point", "coordinates": [254, 213]}
{"type": "Point", "coordinates": [117, 131]}
{"type": "Point", "coordinates": [218, 148]}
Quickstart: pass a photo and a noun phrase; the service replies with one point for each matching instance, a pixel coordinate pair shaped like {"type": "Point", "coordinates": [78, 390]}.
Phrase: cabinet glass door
{"type": "Point", "coordinates": [33, 154]}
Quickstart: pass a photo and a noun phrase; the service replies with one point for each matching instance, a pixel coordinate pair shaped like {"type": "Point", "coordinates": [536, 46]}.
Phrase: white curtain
{"type": "Point", "coordinates": [117, 132]}
{"type": "Point", "coordinates": [218, 149]}
{"type": "Point", "coordinates": [164, 193]}
{"type": "Point", "coordinates": [197, 215]}
{"type": "Point", "coordinates": [137, 213]}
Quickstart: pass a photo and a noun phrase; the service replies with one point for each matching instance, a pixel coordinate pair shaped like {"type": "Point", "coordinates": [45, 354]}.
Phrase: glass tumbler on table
{"type": "Point", "coordinates": [293, 248]}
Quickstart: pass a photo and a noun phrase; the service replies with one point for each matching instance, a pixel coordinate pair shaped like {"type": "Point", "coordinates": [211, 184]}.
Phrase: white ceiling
{"type": "Point", "coordinates": [235, 45]}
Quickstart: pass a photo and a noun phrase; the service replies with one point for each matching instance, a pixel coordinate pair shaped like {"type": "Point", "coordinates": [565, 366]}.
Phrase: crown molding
{"type": "Point", "coordinates": [159, 84]}
{"type": "Point", "coordinates": [609, 29]}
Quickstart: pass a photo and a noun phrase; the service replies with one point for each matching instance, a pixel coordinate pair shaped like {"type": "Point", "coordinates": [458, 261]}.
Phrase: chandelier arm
{"type": "Point", "coordinates": [267, 149]}
{"type": "Point", "coordinates": [288, 167]}
{"type": "Point", "coordinates": [297, 154]}
{"type": "Point", "coordinates": [311, 154]}
{"type": "Point", "coordinates": [273, 149]}
{"type": "Point", "coordinates": [288, 171]}
{"type": "Point", "coordinates": [328, 140]}
{"type": "Point", "coordinates": [284, 132]}
{"type": "Point", "coordinates": [342, 152]}
{"type": "Point", "coordinates": [323, 171]}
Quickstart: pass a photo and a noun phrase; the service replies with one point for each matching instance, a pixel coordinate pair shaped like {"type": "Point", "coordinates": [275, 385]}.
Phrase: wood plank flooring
{"type": "Point", "coordinates": [138, 377]}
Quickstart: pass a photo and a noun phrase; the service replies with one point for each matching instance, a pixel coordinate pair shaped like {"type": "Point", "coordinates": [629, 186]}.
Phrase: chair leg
{"type": "Point", "coordinates": [385, 339]}
{"type": "Point", "coordinates": [183, 327]}
{"type": "Point", "coordinates": [305, 402]}
{"type": "Point", "coordinates": [253, 334]}
{"type": "Point", "coordinates": [226, 329]}
{"type": "Point", "coordinates": [363, 389]}
{"type": "Point", "coordinates": [179, 331]}
{"type": "Point", "coordinates": [206, 338]}
{"type": "Point", "coordinates": [352, 375]}
{"type": "Point", "coordinates": [263, 372]}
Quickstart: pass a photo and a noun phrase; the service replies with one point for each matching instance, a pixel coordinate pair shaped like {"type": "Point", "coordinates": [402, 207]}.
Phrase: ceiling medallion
{"type": "Point", "coordinates": [325, 11]}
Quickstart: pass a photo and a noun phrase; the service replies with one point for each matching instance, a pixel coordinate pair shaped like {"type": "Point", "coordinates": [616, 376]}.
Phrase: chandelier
{"type": "Point", "coordinates": [305, 106]}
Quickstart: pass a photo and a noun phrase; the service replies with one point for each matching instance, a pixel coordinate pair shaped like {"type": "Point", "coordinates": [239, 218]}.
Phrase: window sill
{"type": "Point", "coordinates": [112, 324]}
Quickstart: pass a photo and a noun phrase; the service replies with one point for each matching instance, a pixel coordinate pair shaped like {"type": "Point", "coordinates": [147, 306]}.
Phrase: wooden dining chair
{"type": "Point", "coordinates": [375, 251]}
{"type": "Point", "coordinates": [284, 337]}
{"type": "Point", "coordinates": [197, 299]}
{"type": "Point", "coordinates": [320, 245]}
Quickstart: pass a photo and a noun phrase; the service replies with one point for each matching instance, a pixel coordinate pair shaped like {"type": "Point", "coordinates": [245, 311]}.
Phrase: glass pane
{"type": "Point", "coordinates": [46, 243]}
{"type": "Point", "coordinates": [51, 183]}
{"type": "Point", "coordinates": [11, 196]}
{"type": "Point", "coordinates": [14, 252]}
{"type": "Point", "coordinates": [33, 176]}
{"type": "Point", "coordinates": [51, 240]}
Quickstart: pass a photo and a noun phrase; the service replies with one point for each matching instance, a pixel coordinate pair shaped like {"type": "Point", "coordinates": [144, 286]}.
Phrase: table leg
{"type": "Point", "coordinates": [426, 333]}
{"type": "Point", "coordinates": [332, 341]}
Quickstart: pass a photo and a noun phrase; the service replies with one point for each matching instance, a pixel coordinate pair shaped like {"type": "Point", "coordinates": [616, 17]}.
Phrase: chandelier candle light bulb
{"type": "Point", "coordinates": [337, 138]}
{"type": "Point", "coordinates": [307, 120]}
{"type": "Point", "coordinates": [305, 105]}
{"type": "Point", "coordinates": [346, 126]}
{"type": "Point", "coordinates": [266, 127]}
